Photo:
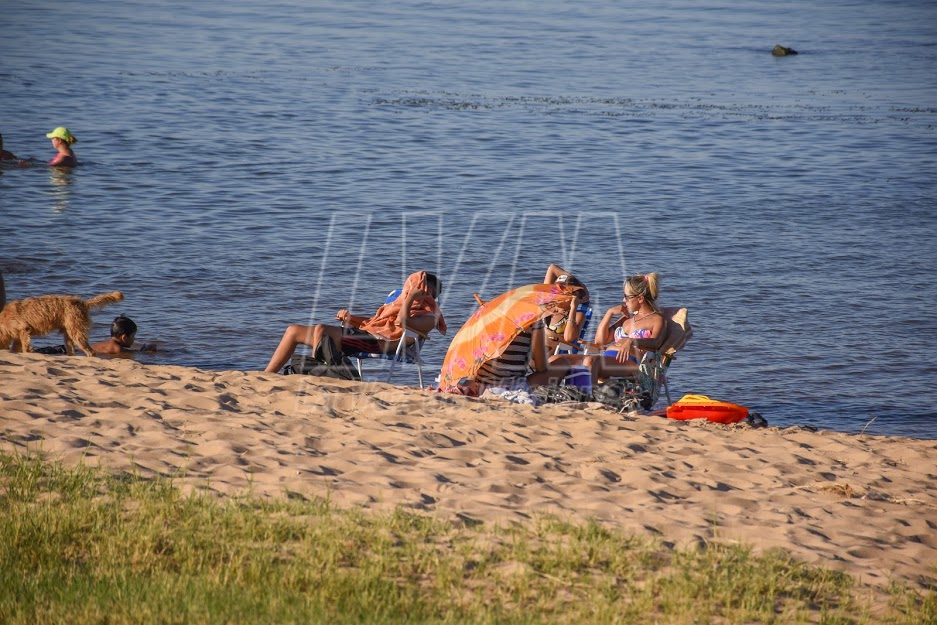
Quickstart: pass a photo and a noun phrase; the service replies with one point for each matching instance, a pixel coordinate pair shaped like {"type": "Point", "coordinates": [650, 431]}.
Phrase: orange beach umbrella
{"type": "Point", "coordinates": [492, 327]}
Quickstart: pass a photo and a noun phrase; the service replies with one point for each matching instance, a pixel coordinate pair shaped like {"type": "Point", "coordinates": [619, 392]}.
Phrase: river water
{"type": "Point", "coordinates": [246, 165]}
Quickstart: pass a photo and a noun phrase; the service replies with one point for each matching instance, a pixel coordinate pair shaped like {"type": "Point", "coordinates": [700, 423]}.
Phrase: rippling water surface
{"type": "Point", "coordinates": [247, 165]}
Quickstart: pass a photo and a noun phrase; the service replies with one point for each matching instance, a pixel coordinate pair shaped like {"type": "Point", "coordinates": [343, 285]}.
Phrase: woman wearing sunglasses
{"type": "Point", "coordinates": [639, 327]}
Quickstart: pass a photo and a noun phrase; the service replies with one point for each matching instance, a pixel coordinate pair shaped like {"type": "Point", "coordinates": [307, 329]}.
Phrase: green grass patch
{"type": "Point", "coordinates": [85, 546]}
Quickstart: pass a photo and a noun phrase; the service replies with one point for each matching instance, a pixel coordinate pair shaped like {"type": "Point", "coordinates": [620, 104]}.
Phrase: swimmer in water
{"type": "Point", "coordinates": [62, 140]}
{"type": "Point", "coordinates": [123, 333]}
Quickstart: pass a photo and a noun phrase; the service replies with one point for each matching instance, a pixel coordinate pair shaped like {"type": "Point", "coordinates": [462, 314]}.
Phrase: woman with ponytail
{"type": "Point", "coordinates": [639, 327]}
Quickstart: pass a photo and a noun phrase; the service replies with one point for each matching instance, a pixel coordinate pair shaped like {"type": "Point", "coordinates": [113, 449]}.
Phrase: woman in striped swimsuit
{"type": "Point", "coordinates": [511, 369]}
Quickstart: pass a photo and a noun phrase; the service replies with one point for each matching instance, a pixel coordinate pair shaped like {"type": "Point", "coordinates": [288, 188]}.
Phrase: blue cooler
{"type": "Point", "coordinates": [579, 375]}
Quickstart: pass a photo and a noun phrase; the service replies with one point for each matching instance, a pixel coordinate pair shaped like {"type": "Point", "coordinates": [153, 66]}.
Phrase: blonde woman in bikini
{"type": "Point", "coordinates": [639, 327]}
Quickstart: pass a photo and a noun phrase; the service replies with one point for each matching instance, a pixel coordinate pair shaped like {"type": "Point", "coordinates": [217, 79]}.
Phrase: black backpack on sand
{"type": "Point", "coordinates": [620, 395]}
{"type": "Point", "coordinates": [557, 394]}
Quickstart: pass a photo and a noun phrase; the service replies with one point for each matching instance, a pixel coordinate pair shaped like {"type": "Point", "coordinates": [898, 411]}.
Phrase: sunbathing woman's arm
{"type": "Point", "coordinates": [627, 346]}
{"type": "Point", "coordinates": [554, 272]}
{"type": "Point", "coordinates": [605, 332]}
{"type": "Point", "coordinates": [574, 324]}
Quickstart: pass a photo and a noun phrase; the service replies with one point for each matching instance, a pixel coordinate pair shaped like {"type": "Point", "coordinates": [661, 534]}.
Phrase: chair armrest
{"type": "Point", "coordinates": [589, 345]}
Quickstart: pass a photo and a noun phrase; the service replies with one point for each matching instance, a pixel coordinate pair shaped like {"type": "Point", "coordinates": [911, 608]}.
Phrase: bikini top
{"type": "Point", "coordinates": [640, 333]}
{"type": "Point", "coordinates": [637, 333]}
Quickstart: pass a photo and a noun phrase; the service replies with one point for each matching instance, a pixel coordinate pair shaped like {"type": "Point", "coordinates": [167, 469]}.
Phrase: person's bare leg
{"type": "Point", "coordinates": [307, 335]}
{"type": "Point", "coordinates": [604, 367]}
{"type": "Point", "coordinates": [552, 375]}
{"type": "Point", "coordinates": [294, 335]}
{"type": "Point", "coordinates": [539, 378]}
{"type": "Point", "coordinates": [593, 363]}
{"type": "Point", "coordinates": [560, 365]}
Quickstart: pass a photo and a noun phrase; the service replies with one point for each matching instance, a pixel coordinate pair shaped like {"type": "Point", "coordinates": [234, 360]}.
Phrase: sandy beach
{"type": "Point", "coordinates": [866, 505]}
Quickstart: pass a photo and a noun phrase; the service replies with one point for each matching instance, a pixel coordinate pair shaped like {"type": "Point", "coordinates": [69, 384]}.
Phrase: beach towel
{"type": "Point", "coordinates": [384, 321]}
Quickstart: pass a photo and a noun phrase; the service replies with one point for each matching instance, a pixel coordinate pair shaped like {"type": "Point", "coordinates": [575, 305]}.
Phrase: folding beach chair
{"type": "Point", "coordinates": [652, 369]}
{"type": "Point", "coordinates": [408, 348]}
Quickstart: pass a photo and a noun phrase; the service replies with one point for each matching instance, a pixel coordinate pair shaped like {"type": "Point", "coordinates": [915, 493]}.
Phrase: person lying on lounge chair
{"type": "Point", "coordinates": [415, 307]}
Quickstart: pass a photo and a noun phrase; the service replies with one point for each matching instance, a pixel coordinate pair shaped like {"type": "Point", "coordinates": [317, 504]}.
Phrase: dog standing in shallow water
{"type": "Point", "coordinates": [35, 316]}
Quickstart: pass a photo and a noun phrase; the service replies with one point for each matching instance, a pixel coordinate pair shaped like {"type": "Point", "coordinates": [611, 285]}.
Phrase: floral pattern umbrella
{"type": "Point", "coordinates": [492, 327]}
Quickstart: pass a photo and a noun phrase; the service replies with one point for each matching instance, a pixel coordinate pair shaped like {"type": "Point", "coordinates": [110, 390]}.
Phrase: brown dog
{"type": "Point", "coordinates": [35, 316]}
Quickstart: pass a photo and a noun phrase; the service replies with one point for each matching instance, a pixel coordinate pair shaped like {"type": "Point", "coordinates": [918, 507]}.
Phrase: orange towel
{"type": "Point", "coordinates": [384, 321]}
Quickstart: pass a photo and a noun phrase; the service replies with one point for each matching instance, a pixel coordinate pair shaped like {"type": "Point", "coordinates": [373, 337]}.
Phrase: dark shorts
{"type": "Point", "coordinates": [355, 341]}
